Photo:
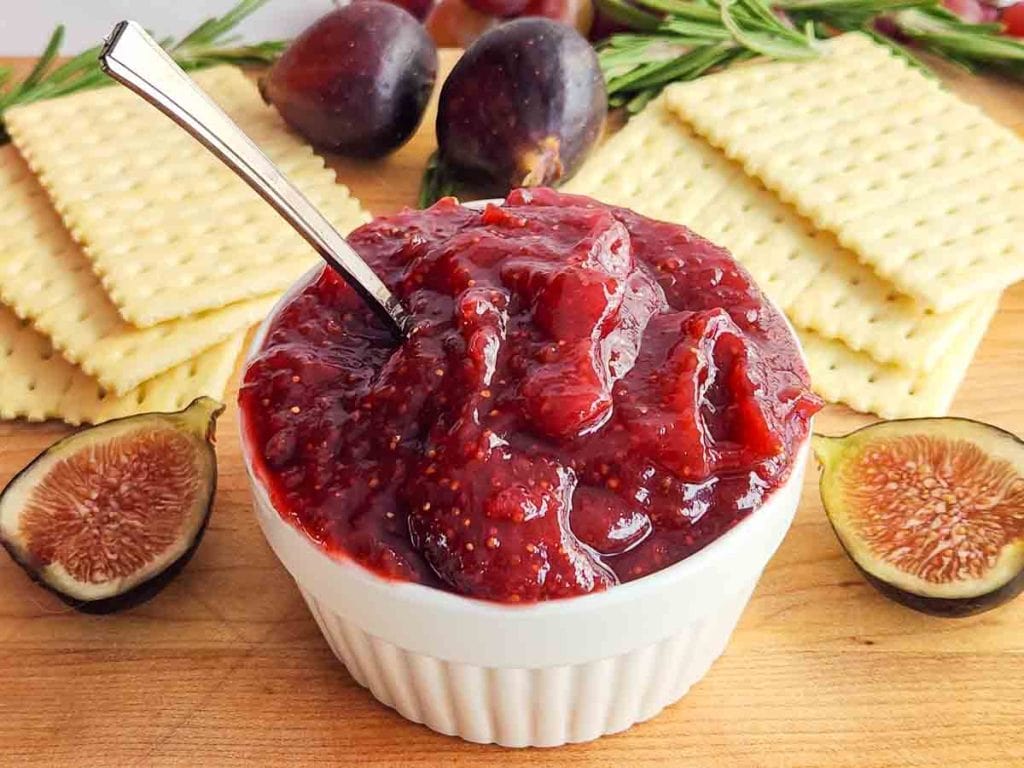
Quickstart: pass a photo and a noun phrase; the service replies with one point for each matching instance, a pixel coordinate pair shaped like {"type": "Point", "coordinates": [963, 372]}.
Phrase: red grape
{"type": "Point", "coordinates": [505, 9]}
{"type": "Point", "coordinates": [970, 10]}
{"type": "Point", "coordinates": [1013, 20]}
{"type": "Point", "coordinates": [453, 24]}
{"type": "Point", "coordinates": [575, 13]}
{"type": "Point", "coordinates": [418, 8]}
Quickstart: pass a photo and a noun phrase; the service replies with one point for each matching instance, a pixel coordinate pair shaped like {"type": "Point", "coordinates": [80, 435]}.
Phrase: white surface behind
{"type": "Point", "coordinates": [25, 25]}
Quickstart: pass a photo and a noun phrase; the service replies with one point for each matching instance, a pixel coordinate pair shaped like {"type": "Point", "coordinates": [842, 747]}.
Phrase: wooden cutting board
{"type": "Point", "coordinates": [225, 667]}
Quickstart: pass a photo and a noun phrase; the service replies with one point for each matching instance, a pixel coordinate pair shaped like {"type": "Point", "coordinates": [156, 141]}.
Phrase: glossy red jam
{"type": "Point", "coordinates": [589, 396]}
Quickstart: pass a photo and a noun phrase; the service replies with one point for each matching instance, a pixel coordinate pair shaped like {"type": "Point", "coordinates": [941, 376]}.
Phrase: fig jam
{"type": "Point", "coordinates": [588, 396]}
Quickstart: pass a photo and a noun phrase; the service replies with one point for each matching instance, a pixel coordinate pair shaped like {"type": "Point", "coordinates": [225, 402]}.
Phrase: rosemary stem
{"type": "Point", "coordinates": [206, 45]}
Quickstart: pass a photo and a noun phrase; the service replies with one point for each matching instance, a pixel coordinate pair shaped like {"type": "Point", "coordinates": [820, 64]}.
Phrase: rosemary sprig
{"type": "Point", "coordinates": [975, 46]}
{"type": "Point", "coordinates": [208, 44]}
{"type": "Point", "coordinates": [674, 40]}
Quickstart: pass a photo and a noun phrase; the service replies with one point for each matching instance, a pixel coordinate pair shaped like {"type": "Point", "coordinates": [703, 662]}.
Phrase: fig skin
{"type": "Point", "coordinates": [199, 417]}
{"type": "Point", "coordinates": [994, 442]}
{"type": "Point", "coordinates": [358, 81]}
{"type": "Point", "coordinates": [130, 599]}
{"type": "Point", "coordinates": [522, 107]}
{"type": "Point", "coordinates": [944, 607]}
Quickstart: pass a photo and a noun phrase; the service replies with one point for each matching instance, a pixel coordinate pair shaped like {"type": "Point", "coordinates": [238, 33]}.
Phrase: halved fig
{"type": "Point", "coordinates": [930, 510]}
{"type": "Point", "coordinates": [107, 516]}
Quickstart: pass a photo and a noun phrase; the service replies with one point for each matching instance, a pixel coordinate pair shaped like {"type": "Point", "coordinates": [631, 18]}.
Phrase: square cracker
{"type": "Point", "coordinates": [841, 375]}
{"type": "Point", "coordinates": [923, 187]}
{"type": "Point", "coordinates": [45, 279]}
{"type": "Point", "coordinates": [168, 228]}
{"type": "Point", "coordinates": [38, 384]}
{"type": "Point", "coordinates": [659, 167]}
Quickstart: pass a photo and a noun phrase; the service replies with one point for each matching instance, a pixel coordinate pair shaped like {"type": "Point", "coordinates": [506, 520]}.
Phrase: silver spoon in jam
{"type": "Point", "coordinates": [135, 60]}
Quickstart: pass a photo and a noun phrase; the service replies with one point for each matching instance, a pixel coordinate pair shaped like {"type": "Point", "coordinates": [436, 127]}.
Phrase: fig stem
{"type": "Point", "coordinates": [202, 415]}
{"type": "Point", "coordinates": [437, 182]}
{"type": "Point", "coordinates": [826, 448]}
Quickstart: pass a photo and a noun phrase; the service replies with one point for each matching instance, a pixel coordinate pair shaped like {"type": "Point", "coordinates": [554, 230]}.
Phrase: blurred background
{"type": "Point", "coordinates": [25, 25]}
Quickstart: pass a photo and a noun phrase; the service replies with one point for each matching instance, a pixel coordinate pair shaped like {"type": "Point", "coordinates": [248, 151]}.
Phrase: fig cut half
{"type": "Point", "coordinates": [107, 516]}
{"type": "Point", "coordinates": [930, 510]}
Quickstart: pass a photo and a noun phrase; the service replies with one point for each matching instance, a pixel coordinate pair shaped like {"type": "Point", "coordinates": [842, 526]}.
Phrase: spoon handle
{"type": "Point", "coordinates": [134, 59]}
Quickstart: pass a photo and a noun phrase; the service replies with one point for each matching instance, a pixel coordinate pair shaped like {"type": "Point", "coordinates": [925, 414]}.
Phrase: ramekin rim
{"type": "Point", "coordinates": [453, 601]}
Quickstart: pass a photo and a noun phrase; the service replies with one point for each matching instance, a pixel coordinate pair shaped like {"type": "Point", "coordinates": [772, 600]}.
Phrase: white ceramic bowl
{"type": "Point", "coordinates": [537, 675]}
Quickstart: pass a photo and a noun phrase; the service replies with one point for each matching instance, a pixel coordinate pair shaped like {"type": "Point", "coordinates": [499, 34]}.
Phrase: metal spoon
{"type": "Point", "coordinates": [135, 60]}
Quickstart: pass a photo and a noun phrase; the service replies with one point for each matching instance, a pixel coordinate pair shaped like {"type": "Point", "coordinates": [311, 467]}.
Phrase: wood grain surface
{"type": "Point", "coordinates": [226, 667]}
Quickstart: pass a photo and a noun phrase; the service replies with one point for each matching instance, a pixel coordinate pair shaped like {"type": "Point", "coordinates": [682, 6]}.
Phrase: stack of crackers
{"type": "Point", "coordinates": [132, 263]}
{"type": "Point", "coordinates": [881, 213]}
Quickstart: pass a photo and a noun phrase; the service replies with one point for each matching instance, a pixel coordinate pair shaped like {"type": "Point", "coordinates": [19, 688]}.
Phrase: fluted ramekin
{"type": "Point", "coordinates": [536, 675]}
